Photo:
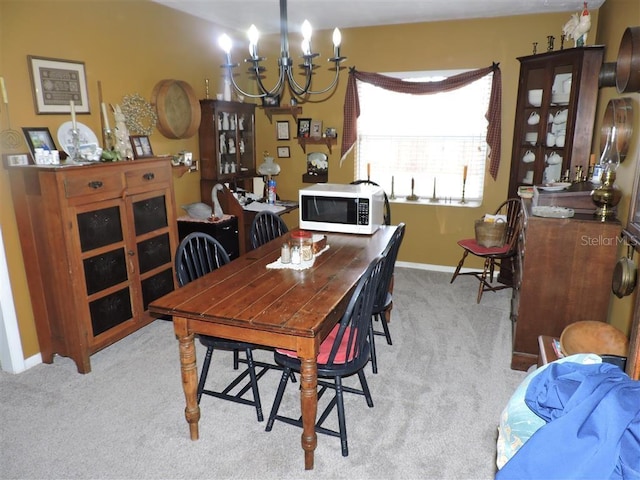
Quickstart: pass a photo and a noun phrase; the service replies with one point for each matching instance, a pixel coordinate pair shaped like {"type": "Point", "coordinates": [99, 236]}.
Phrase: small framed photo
{"type": "Point", "coordinates": [304, 127]}
{"type": "Point", "coordinates": [15, 159]}
{"type": "Point", "coordinates": [284, 152]}
{"type": "Point", "coordinates": [141, 146]}
{"type": "Point", "coordinates": [38, 137]}
{"type": "Point", "coordinates": [316, 128]}
{"type": "Point", "coordinates": [271, 101]}
{"type": "Point", "coordinates": [55, 83]}
{"type": "Point", "coordinates": [282, 130]}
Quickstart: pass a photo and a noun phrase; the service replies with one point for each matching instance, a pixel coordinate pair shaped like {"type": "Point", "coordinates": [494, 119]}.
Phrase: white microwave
{"type": "Point", "coordinates": [332, 207]}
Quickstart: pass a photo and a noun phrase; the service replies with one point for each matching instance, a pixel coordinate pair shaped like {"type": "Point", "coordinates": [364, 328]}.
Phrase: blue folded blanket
{"type": "Point", "coordinates": [593, 429]}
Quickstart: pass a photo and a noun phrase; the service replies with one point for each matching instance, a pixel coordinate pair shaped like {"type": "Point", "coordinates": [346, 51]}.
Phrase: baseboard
{"type": "Point", "coordinates": [436, 268]}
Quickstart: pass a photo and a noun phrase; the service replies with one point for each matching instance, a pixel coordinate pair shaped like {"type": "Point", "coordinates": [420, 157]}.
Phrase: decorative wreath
{"type": "Point", "coordinates": [139, 115]}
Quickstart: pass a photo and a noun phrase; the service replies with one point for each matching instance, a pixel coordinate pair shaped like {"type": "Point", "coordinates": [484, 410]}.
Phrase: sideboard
{"type": "Point", "coordinates": [98, 243]}
{"type": "Point", "coordinates": [563, 273]}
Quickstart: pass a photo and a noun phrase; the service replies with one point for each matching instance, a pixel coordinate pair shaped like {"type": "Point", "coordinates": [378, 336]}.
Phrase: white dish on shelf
{"type": "Point", "coordinates": [554, 187]}
{"type": "Point", "coordinates": [552, 212]}
{"type": "Point", "coordinates": [560, 83]}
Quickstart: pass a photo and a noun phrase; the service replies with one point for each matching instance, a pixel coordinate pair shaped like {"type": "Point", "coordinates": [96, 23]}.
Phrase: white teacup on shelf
{"type": "Point", "coordinates": [554, 159]}
{"type": "Point", "coordinates": [561, 116]}
{"type": "Point", "coordinates": [551, 139]}
{"type": "Point", "coordinates": [533, 119]}
{"type": "Point", "coordinates": [528, 157]}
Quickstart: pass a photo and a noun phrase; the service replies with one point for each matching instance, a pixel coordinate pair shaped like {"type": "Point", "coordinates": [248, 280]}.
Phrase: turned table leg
{"type": "Point", "coordinates": [189, 371]}
{"type": "Point", "coordinates": [309, 407]}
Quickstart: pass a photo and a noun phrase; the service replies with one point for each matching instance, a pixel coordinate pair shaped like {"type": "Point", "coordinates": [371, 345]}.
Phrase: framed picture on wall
{"type": "Point", "coordinates": [284, 152]}
{"type": "Point", "coordinates": [55, 83]}
{"type": "Point", "coordinates": [282, 130]}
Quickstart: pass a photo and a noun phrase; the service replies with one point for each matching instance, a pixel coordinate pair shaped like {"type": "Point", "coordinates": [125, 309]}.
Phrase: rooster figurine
{"type": "Point", "coordinates": [578, 27]}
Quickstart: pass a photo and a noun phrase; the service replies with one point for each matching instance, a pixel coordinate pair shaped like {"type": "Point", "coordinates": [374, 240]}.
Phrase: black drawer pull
{"type": "Point", "coordinates": [96, 184]}
{"type": "Point", "coordinates": [148, 176]}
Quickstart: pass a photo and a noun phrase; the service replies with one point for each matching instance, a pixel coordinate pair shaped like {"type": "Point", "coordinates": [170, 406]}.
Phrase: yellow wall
{"type": "Point", "coordinates": [130, 46]}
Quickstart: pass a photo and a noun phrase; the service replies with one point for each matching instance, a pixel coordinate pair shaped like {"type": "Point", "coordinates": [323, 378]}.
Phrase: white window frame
{"type": "Point", "coordinates": [442, 180]}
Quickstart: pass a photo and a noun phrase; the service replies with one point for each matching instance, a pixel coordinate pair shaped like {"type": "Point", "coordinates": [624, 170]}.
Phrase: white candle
{"type": "Point", "coordinates": [4, 91]}
{"type": "Point", "coordinates": [73, 115]}
{"type": "Point", "coordinates": [106, 118]}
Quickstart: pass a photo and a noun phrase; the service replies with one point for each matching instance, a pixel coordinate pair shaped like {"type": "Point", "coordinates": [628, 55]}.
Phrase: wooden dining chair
{"type": "Point", "coordinates": [343, 353]}
{"type": "Point", "coordinates": [265, 227]}
{"type": "Point", "coordinates": [387, 206]}
{"type": "Point", "coordinates": [198, 254]}
{"type": "Point", "coordinates": [493, 256]}
{"type": "Point", "coordinates": [383, 301]}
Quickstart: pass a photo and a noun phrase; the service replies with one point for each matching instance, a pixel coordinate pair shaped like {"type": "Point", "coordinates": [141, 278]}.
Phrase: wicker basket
{"type": "Point", "coordinates": [490, 234]}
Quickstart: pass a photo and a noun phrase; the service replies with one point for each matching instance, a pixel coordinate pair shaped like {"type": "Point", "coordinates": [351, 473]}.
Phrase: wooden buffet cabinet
{"type": "Point", "coordinates": [98, 243]}
{"type": "Point", "coordinates": [562, 274]}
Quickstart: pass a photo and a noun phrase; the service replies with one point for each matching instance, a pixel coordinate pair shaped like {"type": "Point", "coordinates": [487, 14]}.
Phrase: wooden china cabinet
{"type": "Point", "coordinates": [98, 243]}
{"type": "Point", "coordinates": [227, 145]}
{"type": "Point", "coordinates": [555, 113]}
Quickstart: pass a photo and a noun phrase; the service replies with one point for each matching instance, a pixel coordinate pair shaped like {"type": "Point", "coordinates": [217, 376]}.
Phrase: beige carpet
{"type": "Point", "coordinates": [438, 397]}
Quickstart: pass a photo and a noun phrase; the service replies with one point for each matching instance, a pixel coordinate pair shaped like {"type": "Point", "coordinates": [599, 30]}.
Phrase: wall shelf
{"type": "Point", "coordinates": [292, 110]}
{"type": "Point", "coordinates": [328, 141]}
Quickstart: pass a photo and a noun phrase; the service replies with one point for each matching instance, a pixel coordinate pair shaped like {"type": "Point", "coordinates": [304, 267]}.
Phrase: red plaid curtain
{"type": "Point", "coordinates": [352, 104]}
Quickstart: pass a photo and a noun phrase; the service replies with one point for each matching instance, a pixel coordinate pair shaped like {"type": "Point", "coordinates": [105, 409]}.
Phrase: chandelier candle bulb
{"type": "Point", "coordinates": [337, 39]}
{"type": "Point", "coordinates": [254, 35]}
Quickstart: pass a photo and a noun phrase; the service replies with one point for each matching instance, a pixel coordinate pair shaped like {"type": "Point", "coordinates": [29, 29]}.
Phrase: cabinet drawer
{"type": "Point", "coordinates": [79, 183]}
{"type": "Point", "coordinates": [147, 176]}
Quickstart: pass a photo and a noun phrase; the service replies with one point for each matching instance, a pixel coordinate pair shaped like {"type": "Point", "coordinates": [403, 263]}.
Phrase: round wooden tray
{"type": "Point", "coordinates": [593, 337]}
{"type": "Point", "coordinates": [177, 107]}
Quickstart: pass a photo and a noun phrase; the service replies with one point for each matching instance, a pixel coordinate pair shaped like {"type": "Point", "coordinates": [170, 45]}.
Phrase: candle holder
{"type": "Point", "coordinates": [433, 197]}
{"type": "Point", "coordinates": [393, 194]}
{"type": "Point", "coordinates": [75, 156]}
{"type": "Point", "coordinates": [464, 184]}
{"type": "Point", "coordinates": [412, 197]}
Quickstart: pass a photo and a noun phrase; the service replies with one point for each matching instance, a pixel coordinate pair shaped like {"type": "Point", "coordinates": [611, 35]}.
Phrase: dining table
{"type": "Point", "coordinates": [249, 300]}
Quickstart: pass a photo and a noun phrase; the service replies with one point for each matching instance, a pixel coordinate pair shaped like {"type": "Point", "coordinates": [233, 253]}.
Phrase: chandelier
{"type": "Point", "coordinates": [285, 63]}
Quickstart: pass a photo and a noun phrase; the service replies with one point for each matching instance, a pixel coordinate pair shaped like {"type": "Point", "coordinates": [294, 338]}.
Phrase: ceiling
{"type": "Point", "coordinates": [327, 14]}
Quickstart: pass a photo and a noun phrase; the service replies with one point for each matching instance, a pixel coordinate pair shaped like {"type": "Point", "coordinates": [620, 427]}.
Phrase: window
{"type": "Point", "coordinates": [428, 141]}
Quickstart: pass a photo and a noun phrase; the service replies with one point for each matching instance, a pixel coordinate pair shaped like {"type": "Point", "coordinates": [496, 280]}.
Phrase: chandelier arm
{"type": "Point", "coordinates": [297, 89]}
{"type": "Point", "coordinates": [329, 87]}
{"type": "Point", "coordinates": [237, 87]}
{"type": "Point", "coordinates": [277, 89]}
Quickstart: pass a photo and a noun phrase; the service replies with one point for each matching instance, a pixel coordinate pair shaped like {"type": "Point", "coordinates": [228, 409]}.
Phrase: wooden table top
{"type": "Point", "coordinates": [277, 304]}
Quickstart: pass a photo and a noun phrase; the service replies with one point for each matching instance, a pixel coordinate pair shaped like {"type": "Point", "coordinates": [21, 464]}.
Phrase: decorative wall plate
{"type": "Point", "coordinates": [177, 107]}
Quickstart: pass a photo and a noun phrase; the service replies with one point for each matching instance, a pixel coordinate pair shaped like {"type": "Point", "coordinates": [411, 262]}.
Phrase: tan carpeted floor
{"type": "Point", "coordinates": [438, 397]}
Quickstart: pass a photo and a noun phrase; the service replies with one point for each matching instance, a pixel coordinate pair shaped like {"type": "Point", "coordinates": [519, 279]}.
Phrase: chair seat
{"type": "Point", "coordinates": [473, 246]}
{"type": "Point", "coordinates": [325, 348]}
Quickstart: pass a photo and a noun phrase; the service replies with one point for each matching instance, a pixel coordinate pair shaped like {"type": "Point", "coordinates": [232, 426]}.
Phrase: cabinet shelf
{"type": "Point", "coordinates": [292, 110]}
{"type": "Point", "coordinates": [328, 141]}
